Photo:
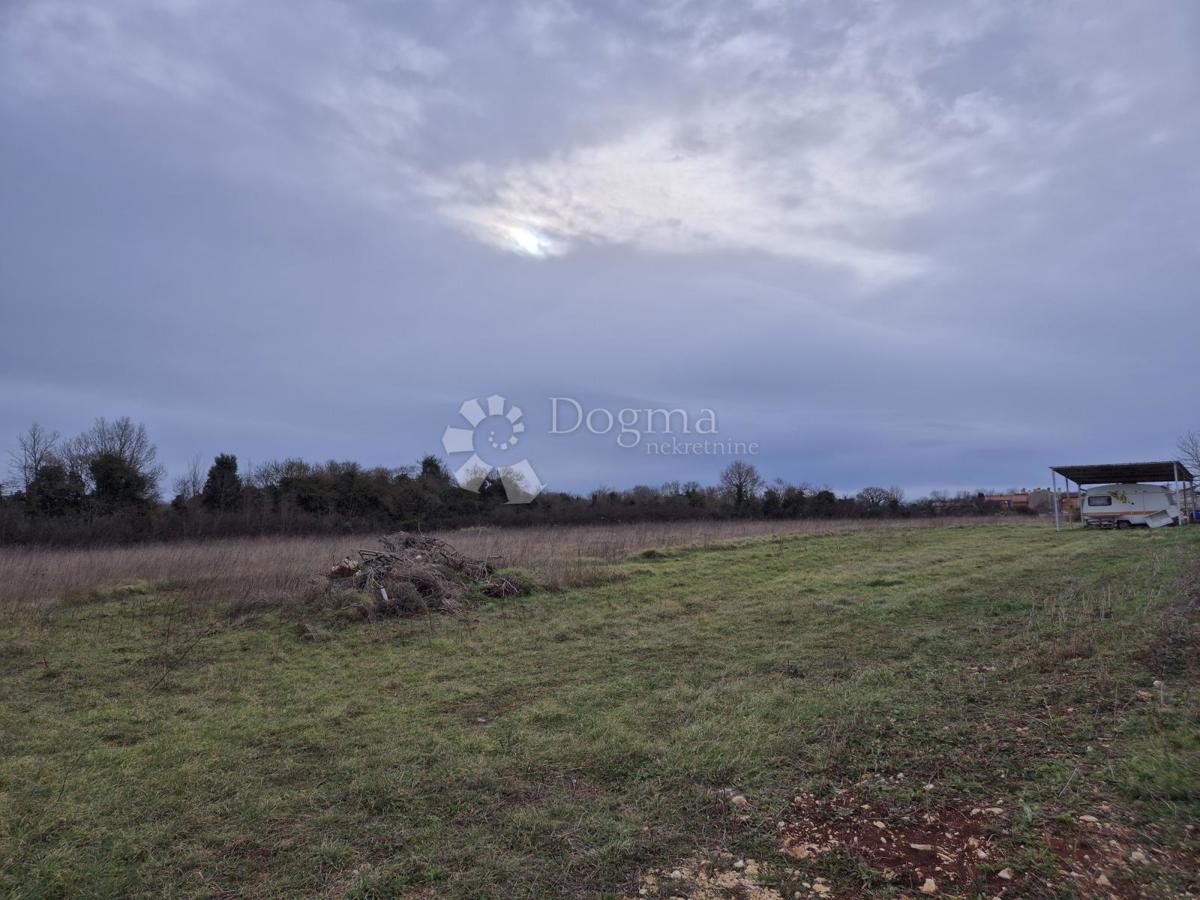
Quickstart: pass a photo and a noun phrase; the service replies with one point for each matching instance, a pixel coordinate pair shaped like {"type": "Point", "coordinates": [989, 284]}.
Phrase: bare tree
{"type": "Point", "coordinates": [191, 482]}
{"type": "Point", "coordinates": [879, 498]}
{"type": "Point", "coordinates": [271, 474]}
{"type": "Point", "coordinates": [1189, 450]}
{"type": "Point", "coordinates": [121, 438]}
{"type": "Point", "coordinates": [875, 497]}
{"type": "Point", "coordinates": [35, 448]}
{"type": "Point", "coordinates": [741, 481]}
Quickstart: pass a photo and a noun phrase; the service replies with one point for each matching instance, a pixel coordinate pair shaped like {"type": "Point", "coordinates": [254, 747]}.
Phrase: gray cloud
{"type": "Point", "coordinates": [938, 243]}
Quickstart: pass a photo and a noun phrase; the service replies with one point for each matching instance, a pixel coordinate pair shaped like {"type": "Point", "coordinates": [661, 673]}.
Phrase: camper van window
{"type": "Point", "coordinates": [1100, 500]}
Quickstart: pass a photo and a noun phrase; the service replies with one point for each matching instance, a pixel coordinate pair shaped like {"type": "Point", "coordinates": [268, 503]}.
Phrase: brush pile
{"type": "Point", "coordinates": [414, 574]}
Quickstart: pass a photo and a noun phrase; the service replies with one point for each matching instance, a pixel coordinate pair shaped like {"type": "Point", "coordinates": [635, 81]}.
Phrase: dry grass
{"type": "Point", "coordinates": [251, 570]}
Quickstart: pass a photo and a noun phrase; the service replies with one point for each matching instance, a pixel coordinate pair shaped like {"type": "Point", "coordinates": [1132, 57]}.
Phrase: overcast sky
{"type": "Point", "coordinates": [926, 244]}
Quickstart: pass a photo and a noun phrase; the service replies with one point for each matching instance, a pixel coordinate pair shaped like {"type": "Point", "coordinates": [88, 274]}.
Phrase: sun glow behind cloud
{"type": "Point", "coordinates": [509, 231]}
{"type": "Point", "coordinates": [789, 155]}
{"type": "Point", "coordinates": [529, 242]}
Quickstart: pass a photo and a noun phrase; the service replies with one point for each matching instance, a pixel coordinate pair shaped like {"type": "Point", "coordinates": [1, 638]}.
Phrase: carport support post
{"type": "Point", "coordinates": [1054, 496]}
{"type": "Point", "coordinates": [1175, 490]}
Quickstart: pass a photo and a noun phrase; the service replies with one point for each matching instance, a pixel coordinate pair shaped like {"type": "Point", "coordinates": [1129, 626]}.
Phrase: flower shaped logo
{"type": "Point", "coordinates": [495, 432]}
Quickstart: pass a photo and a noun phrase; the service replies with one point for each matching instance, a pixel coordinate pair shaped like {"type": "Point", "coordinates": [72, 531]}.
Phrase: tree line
{"type": "Point", "coordinates": [106, 485]}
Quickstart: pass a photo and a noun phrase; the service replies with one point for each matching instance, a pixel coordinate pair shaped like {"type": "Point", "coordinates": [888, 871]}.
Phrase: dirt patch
{"type": "Point", "coordinates": [718, 876]}
{"type": "Point", "coordinates": [1102, 857]}
{"type": "Point", "coordinates": [955, 851]}
{"type": "Point", "coordinates": [945, 846]}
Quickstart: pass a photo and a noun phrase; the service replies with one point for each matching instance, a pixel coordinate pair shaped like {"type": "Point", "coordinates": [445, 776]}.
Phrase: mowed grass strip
{"type": "Point", "coordinates": [559, 744]}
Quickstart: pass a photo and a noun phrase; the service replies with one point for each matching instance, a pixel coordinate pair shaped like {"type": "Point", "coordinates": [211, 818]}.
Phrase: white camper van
{"type": "Point", "coordinates": [1123, 505]}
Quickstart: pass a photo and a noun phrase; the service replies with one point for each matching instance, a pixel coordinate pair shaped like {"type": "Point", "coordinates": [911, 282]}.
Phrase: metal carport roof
{"type": "Point", "coordinates": [1125, 473]}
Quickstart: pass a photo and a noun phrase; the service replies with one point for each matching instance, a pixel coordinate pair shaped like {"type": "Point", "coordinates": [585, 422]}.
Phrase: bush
{"type": "Point", "coordinates": [524, 581]}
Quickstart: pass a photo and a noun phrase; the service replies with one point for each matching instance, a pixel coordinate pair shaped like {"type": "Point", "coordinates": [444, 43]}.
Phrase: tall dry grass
{"type": "Point", "coordinates": [265, 568]}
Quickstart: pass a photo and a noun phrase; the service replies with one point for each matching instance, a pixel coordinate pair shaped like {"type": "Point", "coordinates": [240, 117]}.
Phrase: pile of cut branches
{"type": "Point", "coordinates": [414, 574]}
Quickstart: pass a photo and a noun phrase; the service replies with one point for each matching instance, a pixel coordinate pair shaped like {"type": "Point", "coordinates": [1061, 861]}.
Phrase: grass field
{"type": "Point", "coordinates": [1033, 697]}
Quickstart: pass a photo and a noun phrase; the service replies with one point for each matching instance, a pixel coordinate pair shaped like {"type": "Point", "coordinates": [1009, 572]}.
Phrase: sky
{"type": "Point", "coordinates": [939, 245]}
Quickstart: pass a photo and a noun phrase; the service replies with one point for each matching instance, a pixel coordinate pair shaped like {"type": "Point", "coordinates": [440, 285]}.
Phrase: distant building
{"type": "Point", "coordinates": [1015, 500]}
{"type": "Point", "coordinates": [1040, 500]}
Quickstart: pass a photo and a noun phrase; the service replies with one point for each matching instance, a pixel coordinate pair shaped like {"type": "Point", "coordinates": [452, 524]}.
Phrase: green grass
{"type": "Point", "coordinates": [559, 744]}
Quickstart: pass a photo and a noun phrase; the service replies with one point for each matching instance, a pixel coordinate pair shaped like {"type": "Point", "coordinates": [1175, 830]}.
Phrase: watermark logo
{"type": "Point", "coordinates": [492, 441]}
{"type": "Point", "coordinates": [496, 429]}
{"type": "Point", "coordinates": [659, 431]}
